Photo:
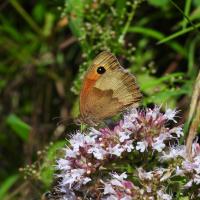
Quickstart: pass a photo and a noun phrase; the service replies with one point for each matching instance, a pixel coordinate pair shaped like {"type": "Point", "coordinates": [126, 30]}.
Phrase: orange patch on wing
{"type": "Point", "coordinates": [89, 82]}
{"type": "Point", "coordinates": [87, 85]}
{"type": "Point", "coordinates": [92, 75]}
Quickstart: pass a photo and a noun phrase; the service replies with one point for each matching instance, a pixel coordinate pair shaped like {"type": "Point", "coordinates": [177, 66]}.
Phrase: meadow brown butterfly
{"type": "Point", "coordinates": [107, 90]}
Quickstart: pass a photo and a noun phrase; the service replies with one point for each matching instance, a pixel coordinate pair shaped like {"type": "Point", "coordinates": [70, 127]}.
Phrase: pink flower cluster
{"type": "Point", "coordinates": [88, 160]}
{"type": "Point", "coordinates": [149, 128]}
{"type": "Point", "coordinates": [189, 169]}
{"type": "Point", "coordinates": [152, 183]}
{"type": "Point", "coordinates": [119, 188]}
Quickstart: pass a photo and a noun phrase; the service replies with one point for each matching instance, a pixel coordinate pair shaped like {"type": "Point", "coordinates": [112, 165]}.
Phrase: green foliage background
{"type": "Point", "coordinates": [46, 46]}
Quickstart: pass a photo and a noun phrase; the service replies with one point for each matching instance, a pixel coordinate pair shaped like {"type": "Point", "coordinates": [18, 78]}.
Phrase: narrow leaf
{"type": "Point", "coordinates": [18, 126]}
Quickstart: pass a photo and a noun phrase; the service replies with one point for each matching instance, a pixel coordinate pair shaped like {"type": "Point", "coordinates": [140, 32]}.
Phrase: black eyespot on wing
{"type": "Point", "coordinates": [101, 70]}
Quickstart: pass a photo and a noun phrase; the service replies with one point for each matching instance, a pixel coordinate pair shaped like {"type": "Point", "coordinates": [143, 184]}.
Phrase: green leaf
{"type": "Point", "coordinates": [26, 16]}
{"type": "Point", "coordinates": [2, 83]}
{"type": "Point", "coordinates": [39, 12]}
{"type": "Point", "coordinates": [18, 126]}
{"type": "Point", "coordinates": [184, 198]}
{"type": "Point", "coordinates": [167, 96]}
{"type": "Point", "coordinates": [120, 7]}
{"type": "Point", "coordinates": [145, 79]}
{"type": "Point", "coordinates": [158, 36]}
{"type": "Point", "coordinates": [179, 33]}
{"type": "Point", "coordinates": [159, 3]}
{"type": "Point", "coordinates": [9, 30]}
{"type": "Point", "coordinates": [147, 82]}
{"type": "Point", "coordinates": [195, 14]}
{"type": "Point", "coordinates": [186, 13]}
{"type": "Point", "coordinates": [7, 184]}
{"type": "Point", "coordinates": [192, 48]}
{"type": "Point", "coordinates": [75, 9]}
{"type": "Point", "coordinates": [48, 167]}
{"type": "Point", "coordinates": [49, 22]}
{"type": "Point", "coordinates": [196, 2]}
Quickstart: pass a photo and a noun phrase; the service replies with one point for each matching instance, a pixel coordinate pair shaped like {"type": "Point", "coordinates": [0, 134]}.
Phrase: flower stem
{"type": "Point", "coordinates": [194, 116]}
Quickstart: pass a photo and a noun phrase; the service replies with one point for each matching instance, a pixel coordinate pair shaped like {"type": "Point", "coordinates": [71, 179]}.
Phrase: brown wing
{"type": "Point", "coordinates": [99, 105]}
{"type": "Point", "coordinates": [122, 84]}
{"type": "Point", "coordinates": [104, 95]}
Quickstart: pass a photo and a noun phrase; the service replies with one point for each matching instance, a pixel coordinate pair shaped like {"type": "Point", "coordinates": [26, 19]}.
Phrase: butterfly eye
{"type": "Point", "coordinates": [101, 70]}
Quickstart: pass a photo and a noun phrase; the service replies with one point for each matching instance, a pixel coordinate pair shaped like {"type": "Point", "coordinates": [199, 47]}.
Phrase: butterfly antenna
{"type": "Point", "coordinates": [69, 121]}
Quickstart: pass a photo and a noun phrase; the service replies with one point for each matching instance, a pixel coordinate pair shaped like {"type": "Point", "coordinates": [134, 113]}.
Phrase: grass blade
{"type": "Point", "coordinates": [7, 184]}
{"type": "Point", "coordinates": [178, 33]}
{"type": "Point", "coordinates": [19, 127]}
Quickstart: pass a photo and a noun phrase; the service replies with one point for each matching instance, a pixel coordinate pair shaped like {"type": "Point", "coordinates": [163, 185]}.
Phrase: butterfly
{"type": "Point", "coordinates": [107, 89]}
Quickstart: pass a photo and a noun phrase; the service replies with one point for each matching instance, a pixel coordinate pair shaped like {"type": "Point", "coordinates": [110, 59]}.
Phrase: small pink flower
{"type": "Point", "coordinates": [98, 152]}
{"type": "Point", "coordinates": [108, 189]}
{"type": "Point", "coordinates": [141, 146]}
{"type": "Point", "coordinates": [170, 114]}
{"type": "Point", "coordinates": [143, 175]}
{"type": "Point", "coordinates": [173, 153]}
{"type": "Point", "coordinates": [163, 196]}
{"type": "Point", "coordinates": [63, 164]}
{"type": "Point", "coordinates": [118, 188]}
{"type": "Point", "coordinates": [158, 145]}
